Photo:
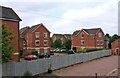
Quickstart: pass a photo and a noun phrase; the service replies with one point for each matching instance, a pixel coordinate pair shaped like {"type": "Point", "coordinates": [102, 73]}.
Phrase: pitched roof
{"type": "Point", "coordinates": [24, 29]}
{"type": "Point", "coordinates": [9, 13]}
{"type": "Point", "coordinates": [67, 35]}
{"type": "Point", "coordinates": [92, 31]}
{"type": "Point", "coordinates": [59, 35]}
{"type": "Point", "coordinates": [75, 33]}
{"type": "Point", "coordinates": [33, 28]}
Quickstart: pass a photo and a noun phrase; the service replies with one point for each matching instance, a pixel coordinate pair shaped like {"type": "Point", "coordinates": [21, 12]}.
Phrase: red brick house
{"type": "Point", "coordinates": [11, 20]}
{"type": "Point", "coordinates": [88, 38]}
{"type": "Point", "coordinates": [116, 46]}
{"type": "Point", "coordinates": [37, 38]}
{"type": "Point", "coordinates": [62, 37]}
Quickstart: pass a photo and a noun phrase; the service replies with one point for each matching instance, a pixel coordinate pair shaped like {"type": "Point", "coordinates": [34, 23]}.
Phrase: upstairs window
{"type": "Point", "coordinates": [45, 42]}
{"type": "Point", "coordinates": [99, 34]}
{"type": "Point", "coordinates": [82, 36]}
{"type": "Point", "coordinates": [45, 35]}
{"type": "Point", "coordinates": [82, 42]}
{"type": "Point", "coordinates": [37, 43]}
{"type": "Point", "coordinates": [37, 34]}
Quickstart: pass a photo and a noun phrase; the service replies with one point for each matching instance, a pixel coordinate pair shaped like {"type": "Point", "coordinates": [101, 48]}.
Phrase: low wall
{"type": "Point", "coordinates": [42, 65]}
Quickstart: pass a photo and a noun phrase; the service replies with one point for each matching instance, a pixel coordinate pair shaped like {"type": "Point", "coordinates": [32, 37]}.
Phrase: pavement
{"type": "Point", "coordinates": [102, 67]}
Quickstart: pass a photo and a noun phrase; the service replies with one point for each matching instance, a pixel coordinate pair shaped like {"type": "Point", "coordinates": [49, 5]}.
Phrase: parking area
{"type": "Point", "coordinates": [102, 67]}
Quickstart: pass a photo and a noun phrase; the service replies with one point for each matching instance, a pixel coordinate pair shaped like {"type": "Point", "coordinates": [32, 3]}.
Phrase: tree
{"type": "Point", "coordinates": [112, 39]}
{"type": "Point", "coordinates": [68, 44]}
{"type": "Point", "coordinates": [58, 43]}
{"type": "Point", "coordinates": [107, 36]}
{"type": "Point", "coordinates": [7, 49]}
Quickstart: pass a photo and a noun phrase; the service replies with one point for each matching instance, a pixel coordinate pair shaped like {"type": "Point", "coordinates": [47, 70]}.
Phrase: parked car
{"type": "Point", "coordinates": [51, 52]}
{"type": "Point", "coordinates": [56, 50]}
{"type": "Point", "coordinates": [70, 52]}
{"type": "Point", "coordinates": [44, 54]}
{"type": "Point", "coordinates": [63, 50]}
{"type": "Point", "coordinates": [30, 57]}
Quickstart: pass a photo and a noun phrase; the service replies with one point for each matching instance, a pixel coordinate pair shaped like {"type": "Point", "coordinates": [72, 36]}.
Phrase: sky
{"type": "Point", "coordinates": [67, 16]}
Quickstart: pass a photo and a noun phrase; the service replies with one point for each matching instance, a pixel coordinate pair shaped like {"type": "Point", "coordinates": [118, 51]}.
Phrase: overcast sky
{"type": "Point", "coordinates": [66, 16]}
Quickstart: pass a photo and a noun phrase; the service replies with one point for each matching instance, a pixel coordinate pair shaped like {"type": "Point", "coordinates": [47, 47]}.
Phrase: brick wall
{"type": "Point", "coordinates": [13, 26]}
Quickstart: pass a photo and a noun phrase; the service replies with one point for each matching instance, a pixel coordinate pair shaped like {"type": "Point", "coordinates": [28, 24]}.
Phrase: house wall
{"type": "Point", "coordinates": [13, 26]}
{"type": "Point", "coordinates": [115, 46]}
{"type": "Point", "coordinates": [31, 40]}
{"type": "Point", "coordinates": [90, 41]}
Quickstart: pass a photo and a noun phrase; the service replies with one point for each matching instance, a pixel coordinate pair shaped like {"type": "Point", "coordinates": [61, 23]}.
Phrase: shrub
{"type": "Point", "coordinates": [89, 50]}
{"type": "Point", "coordinates": [35, 52]}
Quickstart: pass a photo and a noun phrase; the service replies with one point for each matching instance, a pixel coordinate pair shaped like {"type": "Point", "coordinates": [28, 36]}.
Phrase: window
{"type": "Point", "coordinates": [98, 42]}
{"type": "Point", "coordinates": [24, 42]}
{"type": "Point", "coordinates": [37, 43]}
{"type": "Point", "coordinates": [37, 35]}
{"type": "Point", "coordinates": [45, 42]}
{"type": "Point", "coordinates": [99, 34]}
{"type": "Point", "coordinates": [45, 35]}
{"type": "Point", "coordinates": [101, 42]}
{"type": "Point", "coordinates": [82, 42]}
{"type": "Point", "coordinates": [82, 36]}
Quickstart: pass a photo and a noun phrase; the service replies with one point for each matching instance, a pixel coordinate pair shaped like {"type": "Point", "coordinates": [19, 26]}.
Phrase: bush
{"type": "Point", "coordinates": [35, 52]}
{"type": "Point", "coordinates": [89, 50]}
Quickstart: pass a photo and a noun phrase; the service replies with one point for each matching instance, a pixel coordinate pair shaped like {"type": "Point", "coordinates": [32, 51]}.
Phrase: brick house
{"type": "Point", "coordinates": [11, 20]}
{"type": "Point", "coordinates": [36, 37]}
{"type": "Point", "coordinates": [62, 37]}
{"type": "Point", "coordinates": [88, 38]}
{"type": "Point", "coordinates": [116, 46]}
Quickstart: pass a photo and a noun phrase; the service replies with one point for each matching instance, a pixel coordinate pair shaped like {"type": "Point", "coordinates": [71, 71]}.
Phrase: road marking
{"type": "Point", "coordinates": [113, 71]}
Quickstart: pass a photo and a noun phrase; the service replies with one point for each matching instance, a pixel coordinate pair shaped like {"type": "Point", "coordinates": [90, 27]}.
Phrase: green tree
{"type": "Point", "coordinates": [112, 39]}
{"type": "Point", "coordinates": [58, 43]}
{"type": "Point", "coordinates": [35, 52]}
{"type": "Point", "coordinates": [107, 36]}
{"type": "Point", "coordinates": [68, 44]}
{"type": "Point", "coordinates": [7, 49]}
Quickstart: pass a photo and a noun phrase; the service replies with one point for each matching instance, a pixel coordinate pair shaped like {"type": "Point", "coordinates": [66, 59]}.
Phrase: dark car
{"type": "Point", "coordinates": [51, 52]}
{"type": "Point", "coordinates": [30, 57]}
{"type": "Point", "coordinates": [70, 52]}
{"type": "Point", "coordinates": [44, 54]}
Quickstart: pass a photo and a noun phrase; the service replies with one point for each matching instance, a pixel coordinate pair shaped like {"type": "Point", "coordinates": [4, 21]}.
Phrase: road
{"type": "Point", "coordinates": [102, 67]}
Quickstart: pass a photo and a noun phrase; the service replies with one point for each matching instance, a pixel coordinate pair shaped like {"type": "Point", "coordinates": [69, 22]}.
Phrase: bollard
{"type": "Point", "coordinates": [95, 75]}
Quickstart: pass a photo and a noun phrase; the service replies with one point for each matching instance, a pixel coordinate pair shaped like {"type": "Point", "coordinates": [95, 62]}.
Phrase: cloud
{"type": "Point", "coordinates": [66, 16]}
{"type": "Point", "coordinates": [91, 17]}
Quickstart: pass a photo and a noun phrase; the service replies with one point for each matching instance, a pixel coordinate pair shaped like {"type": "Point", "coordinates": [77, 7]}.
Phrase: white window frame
{"type": "Point", "coordinates": [37, 34]}
{"type": "Point", "coordinates": [102, 42]}
{"type": "Point", "coordinates": [45, 35]}
{"type": "Point", "coordinates": [82, 43]}
{"type": "Point", "coordinates": [98, 42]}
{"type": "Point", "coordinates": [44, 42]}
{"type": "Point", "coordinates": [82, 35]}
{"type": "Point", "coordinates": [37, 41]}
{"type": "Point", "coordinates": [100, 34]}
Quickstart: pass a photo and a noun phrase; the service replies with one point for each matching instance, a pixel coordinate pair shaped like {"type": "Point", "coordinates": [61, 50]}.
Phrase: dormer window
{"type": "Point", "coordinates": [99, 34]}
{"type": "Point", "coordinates": [37, 34]}
{"type": "Point", "coordinates": [82, 36]}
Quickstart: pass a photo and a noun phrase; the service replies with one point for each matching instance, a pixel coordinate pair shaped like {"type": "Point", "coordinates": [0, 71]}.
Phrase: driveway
{"type": "Point", "coordinates": [102, 67]}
